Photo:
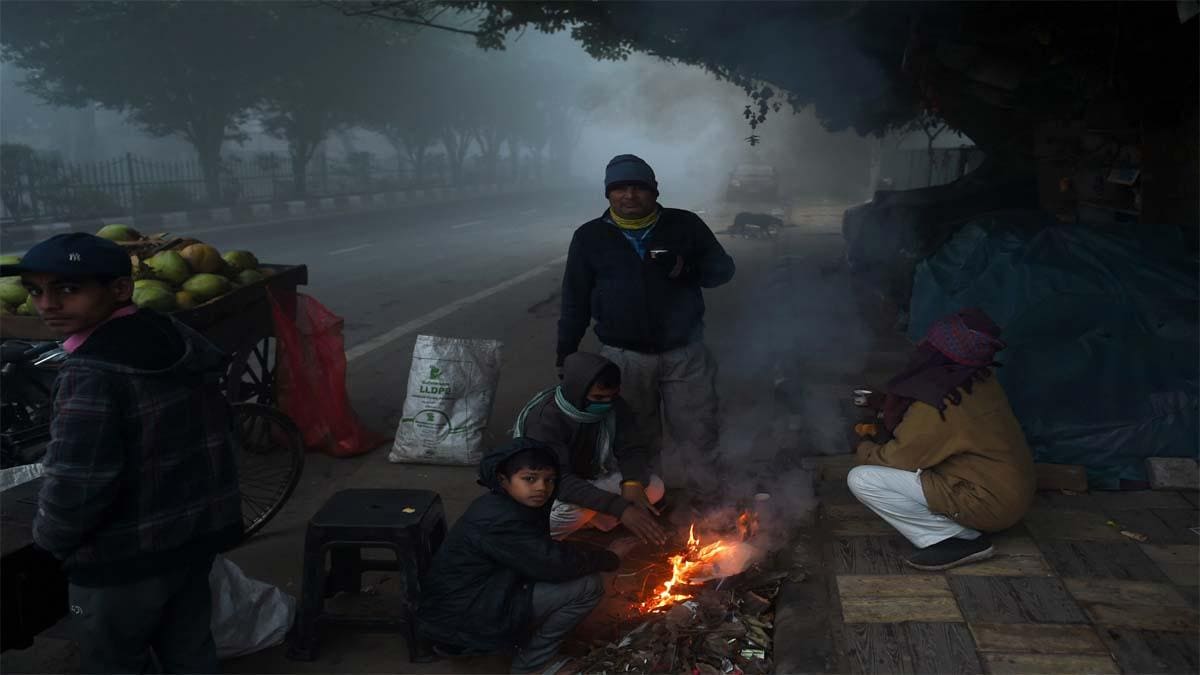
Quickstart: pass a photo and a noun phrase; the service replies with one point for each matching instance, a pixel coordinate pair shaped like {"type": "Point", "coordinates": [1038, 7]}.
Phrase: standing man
{"type": "Point", "coordinates": [638, 270]}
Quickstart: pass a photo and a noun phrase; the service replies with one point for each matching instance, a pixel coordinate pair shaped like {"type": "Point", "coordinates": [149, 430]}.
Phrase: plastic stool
{"type": "Point", "coordinates": [411, 523]}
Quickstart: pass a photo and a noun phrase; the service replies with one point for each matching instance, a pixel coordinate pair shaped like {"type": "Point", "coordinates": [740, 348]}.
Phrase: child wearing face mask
{"type": "Point", "coordinates": [605, 477]}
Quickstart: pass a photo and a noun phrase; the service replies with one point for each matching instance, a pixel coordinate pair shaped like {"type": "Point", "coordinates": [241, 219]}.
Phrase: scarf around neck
{"type": "Point", "coordinates": [634, 224]}
{"type": "Point", "coordinates": [607, 421]}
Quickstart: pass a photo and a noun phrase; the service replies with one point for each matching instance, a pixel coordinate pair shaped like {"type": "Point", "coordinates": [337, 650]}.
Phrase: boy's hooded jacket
{"type": "Point", "coordinates": [477, 595]}
{"type": "Point", "coordinates": [140, 473]}
{"type": "Point", "coordinates": [575, 442]}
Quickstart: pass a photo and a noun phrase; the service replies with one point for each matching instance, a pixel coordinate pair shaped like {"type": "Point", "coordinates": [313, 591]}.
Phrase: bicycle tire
{"type": "Point", "coordinates": [264, 431]}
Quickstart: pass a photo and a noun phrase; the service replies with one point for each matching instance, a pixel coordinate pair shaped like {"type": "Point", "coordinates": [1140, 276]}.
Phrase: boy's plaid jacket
{"type": "Point", "coordinates": [140, 473]}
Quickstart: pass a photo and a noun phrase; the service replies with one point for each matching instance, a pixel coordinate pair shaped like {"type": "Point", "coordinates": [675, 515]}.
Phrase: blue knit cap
{"type": "Point", "coordinates": [628, 169]}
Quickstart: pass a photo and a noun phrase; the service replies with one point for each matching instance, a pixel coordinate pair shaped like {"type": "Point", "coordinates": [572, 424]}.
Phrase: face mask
{"type": "Point", "coordinates": [598, 408]}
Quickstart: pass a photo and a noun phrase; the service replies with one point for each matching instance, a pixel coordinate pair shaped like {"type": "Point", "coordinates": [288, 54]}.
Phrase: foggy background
{"type": "Point", "coordinates": [684, 122]}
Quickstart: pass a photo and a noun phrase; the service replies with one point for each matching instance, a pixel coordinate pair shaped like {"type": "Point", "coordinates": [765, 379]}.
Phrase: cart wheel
{"type": "Point", "coordinates": [269, 464]}
{"type": "Point", "coordinates": [251, 374]}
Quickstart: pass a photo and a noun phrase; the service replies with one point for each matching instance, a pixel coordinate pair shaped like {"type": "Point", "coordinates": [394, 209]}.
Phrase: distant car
{"type": "Point", "coordinates": [753, 181]}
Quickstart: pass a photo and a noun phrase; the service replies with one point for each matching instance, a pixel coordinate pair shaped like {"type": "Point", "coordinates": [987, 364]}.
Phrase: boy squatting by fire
{"type": "Point", "coordinates": [958, 465]}
{"type": "Point", "coordinates": [500, 582]}
{"type": "Point", "coordinates": [140, 488]}
{"type": "Point", "coordinates": [605, 477]}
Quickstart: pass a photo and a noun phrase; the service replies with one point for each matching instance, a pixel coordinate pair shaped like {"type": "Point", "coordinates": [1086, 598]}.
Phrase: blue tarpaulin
{"type": "Point", "coordinates": [1102, 366]}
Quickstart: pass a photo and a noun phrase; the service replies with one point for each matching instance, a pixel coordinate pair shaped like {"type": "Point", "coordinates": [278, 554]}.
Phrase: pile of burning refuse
{"type": "Point", "coordinates": [712, 614]}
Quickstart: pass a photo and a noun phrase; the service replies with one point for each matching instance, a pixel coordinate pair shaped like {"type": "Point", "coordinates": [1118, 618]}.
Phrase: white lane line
{"type": "Point", "coordinates": [527, 212]}
{"type": "Point", "coordinates": [467, 224]}
{"type": "Point", "coordinates": [420, 322]}
{"type": "Point", "coordinates": [348, 250]}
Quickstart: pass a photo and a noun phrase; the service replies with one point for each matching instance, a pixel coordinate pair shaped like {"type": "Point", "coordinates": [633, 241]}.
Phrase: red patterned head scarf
{"type": "Point", "coordinates": [968, 337]}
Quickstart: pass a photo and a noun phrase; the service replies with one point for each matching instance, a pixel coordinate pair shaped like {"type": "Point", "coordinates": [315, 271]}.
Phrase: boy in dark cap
{"type": "Point", "coordinates": [500, 582]}
{"type": "Point", "coordinates": [140, 487]}
{"type": "Point", "coordinates": [640, 269]}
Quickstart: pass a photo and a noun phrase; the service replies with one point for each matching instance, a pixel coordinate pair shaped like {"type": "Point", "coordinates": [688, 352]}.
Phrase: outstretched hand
{"type": "Point", "coordinates": [642, 524]}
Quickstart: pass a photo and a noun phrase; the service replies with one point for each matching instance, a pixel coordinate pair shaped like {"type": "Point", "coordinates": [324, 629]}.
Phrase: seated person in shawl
{"type": "Point", "coordinates": [605, 479]}
{"type": "Point", "coordinates": [957, 465]}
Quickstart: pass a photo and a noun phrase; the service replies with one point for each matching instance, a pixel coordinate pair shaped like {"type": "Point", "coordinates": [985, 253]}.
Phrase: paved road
{"type": "Point", "coordinates": [489, 268]}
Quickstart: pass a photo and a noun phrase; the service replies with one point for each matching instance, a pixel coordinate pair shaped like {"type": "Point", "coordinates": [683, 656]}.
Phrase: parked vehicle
{"type": "Point", "coordinates": [753, 181]}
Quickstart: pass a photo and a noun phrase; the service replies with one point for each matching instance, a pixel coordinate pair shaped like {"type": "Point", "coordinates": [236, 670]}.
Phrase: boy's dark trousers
{"type": "Point", "coordinates": [125, 629]}
{"type": "Point", "coordinates": [557, 609]}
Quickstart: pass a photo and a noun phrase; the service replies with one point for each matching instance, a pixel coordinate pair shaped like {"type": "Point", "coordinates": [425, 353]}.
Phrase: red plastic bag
{"type": "Point", "coordinates": [310, 378]}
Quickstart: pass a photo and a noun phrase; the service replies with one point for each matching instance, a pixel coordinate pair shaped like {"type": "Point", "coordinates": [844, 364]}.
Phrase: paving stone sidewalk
{"type": "Point", "coordinates": [1065, 593]}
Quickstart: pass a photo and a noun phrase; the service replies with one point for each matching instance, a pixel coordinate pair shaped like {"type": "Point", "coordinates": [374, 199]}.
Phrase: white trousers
{"type": "Point", "coordinates": [897, 496]}
{"type": "Point", "coordinates": [566, 518]}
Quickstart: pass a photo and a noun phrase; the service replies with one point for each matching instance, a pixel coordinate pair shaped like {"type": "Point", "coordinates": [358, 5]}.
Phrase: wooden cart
{"type": "Point", "coordinates": [239, 323]}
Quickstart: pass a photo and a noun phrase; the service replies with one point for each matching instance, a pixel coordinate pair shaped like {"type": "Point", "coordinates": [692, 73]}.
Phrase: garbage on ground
{"type": "Point", "coordinates": [726, 629]}
{"type": "Point", "coordinates": [247, 615]}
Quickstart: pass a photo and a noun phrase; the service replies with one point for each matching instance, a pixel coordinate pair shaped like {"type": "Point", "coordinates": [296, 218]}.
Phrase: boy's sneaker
{"type": "Point", "coordinates": [952, 553]}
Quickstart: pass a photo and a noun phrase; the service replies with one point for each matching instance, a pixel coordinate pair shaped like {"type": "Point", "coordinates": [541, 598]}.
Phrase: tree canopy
{"type": "Point", "coordinates": [993, 70]}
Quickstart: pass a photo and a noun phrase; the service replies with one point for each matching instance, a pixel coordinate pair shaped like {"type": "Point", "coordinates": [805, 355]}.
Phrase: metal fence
{"type": "Point", "coordinates": [38, 187]}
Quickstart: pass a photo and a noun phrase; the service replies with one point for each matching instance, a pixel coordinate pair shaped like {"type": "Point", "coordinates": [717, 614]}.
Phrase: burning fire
{"type": "Point", "coordinates": [694, 560]}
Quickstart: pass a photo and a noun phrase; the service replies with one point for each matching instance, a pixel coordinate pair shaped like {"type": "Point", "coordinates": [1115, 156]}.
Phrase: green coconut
{"type": "Point", "coordinates": [247, 277]}
{"type": "Point", "coordinates": [170, 267]}
{"type": "Point", "coordinates": [153, 283]}
{"type": "Point", "coordinates": [10, 259]}
{"type": "Point", "coordinates": [205, 287]}
{"type": "Point", "coordinates": [119, 233]}
{"type": "Point", "coordinates": [154, 297]}
{"type": "Point", "coordinates": [26, 308]}
{"type": "Point", "coordinates": [11, 291]}
{"type": "Point", "coordinates": [241, 260]}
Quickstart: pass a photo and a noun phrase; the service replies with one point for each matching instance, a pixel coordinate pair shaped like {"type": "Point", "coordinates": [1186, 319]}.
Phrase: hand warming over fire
{"type": "Point", "coordinates": [642, 524]}
{"type": "Point", "coordinates": [635, 493]}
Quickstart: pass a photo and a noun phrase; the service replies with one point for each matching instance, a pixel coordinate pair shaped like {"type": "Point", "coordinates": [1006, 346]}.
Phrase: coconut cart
{"type": "Point", "coordinates": [241, 324]}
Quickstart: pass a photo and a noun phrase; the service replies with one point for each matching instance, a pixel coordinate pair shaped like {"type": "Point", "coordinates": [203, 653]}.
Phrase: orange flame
{"type": "Point", "coordinates": [683, 568]}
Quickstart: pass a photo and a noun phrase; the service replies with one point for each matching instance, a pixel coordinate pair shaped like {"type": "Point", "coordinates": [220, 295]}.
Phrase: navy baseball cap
{"type": "Point", "coordinates": [74, 255]}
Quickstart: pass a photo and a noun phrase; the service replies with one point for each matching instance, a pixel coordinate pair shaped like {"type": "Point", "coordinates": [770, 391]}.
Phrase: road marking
{"type": "Point", "coordinates": [467, 224]}
{"type": "Point", "coordinates": [348, 250]}
{"type": "Point", "coordinates": [527, 212]}
{"type": "Point", "coordinates": [442, 312]}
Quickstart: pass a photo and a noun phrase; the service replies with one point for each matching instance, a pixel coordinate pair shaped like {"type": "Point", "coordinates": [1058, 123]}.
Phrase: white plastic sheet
{"type": "Point", "coordinates": [247, 615]}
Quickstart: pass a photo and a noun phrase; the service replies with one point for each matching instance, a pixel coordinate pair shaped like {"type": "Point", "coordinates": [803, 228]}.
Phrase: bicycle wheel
{"type": "Point", "coordinates": [269, 464]}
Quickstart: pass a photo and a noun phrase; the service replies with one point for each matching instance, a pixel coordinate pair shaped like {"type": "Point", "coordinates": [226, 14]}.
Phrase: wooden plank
{"type": "Point", "coordinates": [893, 586]}
{"type": "Point", "coordinates": [1061, 477]}
{"type": "Point", "coordinates": [1048, 664]}
{"type": "Point", "coordinates": [878, 648]}
{"type": "Point", "coordinates": [1162, 526]}
{"type": "Point", "coordinates": [1071, 525]}
{"type": "Point", "coordinates": [1006, 566]}
{"type": "Point", "coordinates": [871, 555]}
{"type": "Point", "coordinates": [899, 609]}
{"type": "Point", "coordinates": [942, 648]}
{"type": "Point", "coordinates": [1145, 617]}
{"type": "Point", "coordinates": [1037, 638]}
{"type": "Point", "coordinates": [1117, 592]}
{"type": "Point", "coordinates": [1115, 501]}
{"type": "Point", "coordinates": [1180, 563]}
{"type": "Point", "coordinates": [854, 520]}
{"type": "Point", "coordinates": [1116, 560]}
{"type": "Point", "coordinates": [1173, 473]}
{"type": "Point", "coordinates": [1015, 600]}
{"type": "Point", "coordinates": [1140, 651]}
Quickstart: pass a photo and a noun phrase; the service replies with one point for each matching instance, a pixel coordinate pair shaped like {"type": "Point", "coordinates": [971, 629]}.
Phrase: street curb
{"type": "Point", "coordinates": [182, 221]}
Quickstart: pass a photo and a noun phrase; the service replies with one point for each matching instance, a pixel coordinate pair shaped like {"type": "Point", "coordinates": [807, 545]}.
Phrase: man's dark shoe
{"type": "Point", "coordinates": [952, 553]}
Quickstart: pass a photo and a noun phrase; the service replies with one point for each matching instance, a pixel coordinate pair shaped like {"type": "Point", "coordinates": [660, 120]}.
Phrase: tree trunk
{"type": "Point", "coordinates": [929, 172]}
{"type": "Point", "coordinates": [209, 155]}
{"type": "Point", "coordinates": [299, 174]}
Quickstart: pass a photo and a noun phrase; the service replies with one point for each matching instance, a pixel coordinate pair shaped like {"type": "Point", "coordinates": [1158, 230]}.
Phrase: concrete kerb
{"type": "Point", "coordinates": [179, 221]}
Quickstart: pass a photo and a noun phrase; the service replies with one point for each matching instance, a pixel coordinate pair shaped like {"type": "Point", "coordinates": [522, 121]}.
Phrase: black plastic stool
{"type": "Point", "coordinates": [409, 522]}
